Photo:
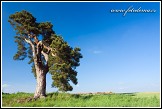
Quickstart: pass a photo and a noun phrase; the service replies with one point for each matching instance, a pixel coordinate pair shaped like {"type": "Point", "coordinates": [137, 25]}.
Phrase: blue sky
{"type": "Point", "coordinates": [120, 53]}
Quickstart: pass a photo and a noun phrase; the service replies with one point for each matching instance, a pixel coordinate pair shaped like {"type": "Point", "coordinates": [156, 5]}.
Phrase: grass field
{"type": "Point", "coordinates": [83, 100]}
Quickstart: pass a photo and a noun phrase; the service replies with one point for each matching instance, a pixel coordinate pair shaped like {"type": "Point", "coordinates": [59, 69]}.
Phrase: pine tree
{"type": "Point", "coordinates": [47, 52]}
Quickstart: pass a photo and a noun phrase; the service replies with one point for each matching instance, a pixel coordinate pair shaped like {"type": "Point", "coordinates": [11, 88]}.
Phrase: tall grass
{"type": "Point", "coordinates": [81, 100]}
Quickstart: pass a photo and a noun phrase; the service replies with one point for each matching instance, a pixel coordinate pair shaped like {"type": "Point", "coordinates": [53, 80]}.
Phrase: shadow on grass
{"type": "Point", "coordinates": [81, 96]}
{"type": "Point", "coordinates": [52, 94]}
{"type": "Point", "coordinates": [129, 94]}
{"type": "Point", "coordinates": [65, 95]}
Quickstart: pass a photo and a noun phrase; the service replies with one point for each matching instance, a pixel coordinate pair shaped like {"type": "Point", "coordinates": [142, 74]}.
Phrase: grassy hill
{"type": "Point", "coordinates": [56, 99]}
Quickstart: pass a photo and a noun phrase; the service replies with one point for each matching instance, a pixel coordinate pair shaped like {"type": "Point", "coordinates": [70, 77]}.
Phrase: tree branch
{"type": "Point", "coordinates": [45, 55]}
{"type": "Point", "coordinates": [46, 58]}
{"type": "Point", "coordinates": [39, 47]}
{"type": "Point", "coordinates": [49, 50]}
{"type": "Point", "coordinates": [32, 45]}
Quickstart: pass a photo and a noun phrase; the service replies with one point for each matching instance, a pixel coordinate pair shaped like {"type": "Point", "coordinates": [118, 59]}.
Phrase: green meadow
{"type": "Point", "coordinates": [145, 99]}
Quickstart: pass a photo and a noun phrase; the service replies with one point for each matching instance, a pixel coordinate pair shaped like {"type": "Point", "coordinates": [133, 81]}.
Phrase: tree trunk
{"type": "Point", "coordinates": [41, 83]}
{"type": "Point", "coordinates": [41, 69]}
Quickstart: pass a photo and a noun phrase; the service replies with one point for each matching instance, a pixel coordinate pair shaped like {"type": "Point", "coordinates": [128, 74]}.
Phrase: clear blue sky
{"type": "Point", "coordinates": [120, 54]}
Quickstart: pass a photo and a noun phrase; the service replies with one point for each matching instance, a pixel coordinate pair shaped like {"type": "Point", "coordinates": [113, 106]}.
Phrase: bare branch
{"type": "Point", "coordinates": [28, 41]}
{"type": "Point", "coordinates": [45, 55]}
{"type": "Point", "coordinates": [39, 47]}
{"type": "Point", "coordinates": [32, 45]}
{"type": "Point", "coordinates": [53, 54]}
{"type": "Point", "coordinates": [50, 49]}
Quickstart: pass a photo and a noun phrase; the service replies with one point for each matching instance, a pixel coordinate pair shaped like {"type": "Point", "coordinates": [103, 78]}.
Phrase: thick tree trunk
{"type": "Point", "coordinates": [41, 83]}
{"type": "Point", "coordinates": [41, 69]}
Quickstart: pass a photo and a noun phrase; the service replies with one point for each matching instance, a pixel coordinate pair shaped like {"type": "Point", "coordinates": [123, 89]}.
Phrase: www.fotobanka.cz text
{"type": "Point", "coordinates": [132, 10]}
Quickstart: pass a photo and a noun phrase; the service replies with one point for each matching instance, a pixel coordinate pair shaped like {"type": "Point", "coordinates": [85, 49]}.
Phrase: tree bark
{"type": "Point", "coordinates": [41, 83]}
{"type": "Point", "coordinates": [41, 70]}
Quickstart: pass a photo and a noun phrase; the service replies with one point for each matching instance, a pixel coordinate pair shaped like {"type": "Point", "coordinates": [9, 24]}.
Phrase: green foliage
{"type": "Point", "coordinates": [46, 32]}
{"type": "Point", "coordinates": [82, 100]}
{"type": "Point", "coordinates": [62, 66]}
{"type": "Point", "coordinates": [21, 53]}
{"type": "Point", "coordinates": [24, 23]}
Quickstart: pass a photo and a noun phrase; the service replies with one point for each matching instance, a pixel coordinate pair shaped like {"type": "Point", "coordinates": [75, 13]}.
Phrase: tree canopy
{"type": "Point", "coordinates": [38, 40]}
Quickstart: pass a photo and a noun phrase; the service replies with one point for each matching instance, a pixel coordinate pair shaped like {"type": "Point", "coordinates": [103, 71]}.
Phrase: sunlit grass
{"type": "Point", "coordinates": [83, 100]}
{"type": "Point", "coordinates": [148, 94]}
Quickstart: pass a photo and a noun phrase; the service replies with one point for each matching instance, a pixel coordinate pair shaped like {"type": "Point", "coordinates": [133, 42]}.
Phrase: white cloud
{"type": "Point", "coordinates": [6, 88]}
{"type": "Point", "coordinates": [5, 85]}
{"type": "Point", "coordinates": [154, 84]}
{"type": "Point", "coordinates": [121, 83]}
{"type": "Point", "coordinates": [123, 88]}
{"type": "Point", "coordinates": [77, 85]}
{"type": "Point", "coordinates": [97, 52]}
